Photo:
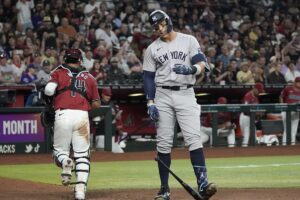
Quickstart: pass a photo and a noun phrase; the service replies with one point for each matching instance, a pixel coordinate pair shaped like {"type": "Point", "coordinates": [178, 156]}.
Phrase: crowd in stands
{"type": "Point", "coordinates": [245, 41]}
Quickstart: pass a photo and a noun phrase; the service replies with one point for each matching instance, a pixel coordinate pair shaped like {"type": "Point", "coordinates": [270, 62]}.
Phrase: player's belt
{"type": "Point", "coordinates": [176, 88]}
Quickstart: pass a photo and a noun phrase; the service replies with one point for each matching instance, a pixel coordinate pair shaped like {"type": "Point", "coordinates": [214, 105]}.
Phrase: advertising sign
{"type": "Point", "coordinates": [20, 128]}
{"type": "Point", "coordinates": [22, 148]}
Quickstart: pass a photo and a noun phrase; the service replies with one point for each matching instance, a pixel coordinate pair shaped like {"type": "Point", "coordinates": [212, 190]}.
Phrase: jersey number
{"type": "Point", "coordinates": [79, 85]}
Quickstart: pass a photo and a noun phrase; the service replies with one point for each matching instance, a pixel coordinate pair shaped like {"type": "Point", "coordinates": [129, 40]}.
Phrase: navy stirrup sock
{"type": "Point", "coordinates": [198, 162]}
{"type": "Point", "coordinates": [163, 172]}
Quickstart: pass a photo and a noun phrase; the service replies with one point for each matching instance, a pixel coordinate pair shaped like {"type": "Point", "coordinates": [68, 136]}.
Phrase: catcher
{"type": "Point", "coordinates": [74, 92]}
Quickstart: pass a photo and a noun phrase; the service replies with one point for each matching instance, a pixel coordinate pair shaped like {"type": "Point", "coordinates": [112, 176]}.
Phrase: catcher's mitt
{"type": "Point", "coordinates": [48, 117]}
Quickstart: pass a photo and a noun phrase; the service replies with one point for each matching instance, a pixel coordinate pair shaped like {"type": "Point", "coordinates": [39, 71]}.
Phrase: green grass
{"type": "Point", "coordinates": [243, 172]}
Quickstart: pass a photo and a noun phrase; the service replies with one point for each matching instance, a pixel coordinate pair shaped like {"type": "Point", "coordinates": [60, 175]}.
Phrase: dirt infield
{"type": "Point", "coordinates": [16, 189]}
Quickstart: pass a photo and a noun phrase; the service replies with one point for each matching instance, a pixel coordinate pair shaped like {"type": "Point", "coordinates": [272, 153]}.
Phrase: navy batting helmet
{"type": "Point", "coordinates": [158, 16]}
{"type": "Point", "coordinates": [73, 56]}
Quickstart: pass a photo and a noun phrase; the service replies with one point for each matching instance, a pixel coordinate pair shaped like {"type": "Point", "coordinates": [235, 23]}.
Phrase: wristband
{"type": "Point", "coordinates": [150, 103]}
{"type": "Point", "coordinates": [198, 69]}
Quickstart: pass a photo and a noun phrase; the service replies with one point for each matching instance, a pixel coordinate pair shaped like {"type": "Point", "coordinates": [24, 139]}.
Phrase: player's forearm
{"type": "Point", "coordinates": [149, 85]}
{"type": "Point", "coordinates": [95, 104]}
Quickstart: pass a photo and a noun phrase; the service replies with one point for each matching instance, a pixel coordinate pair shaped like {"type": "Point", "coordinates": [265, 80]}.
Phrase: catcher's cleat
{"type": "Point", "coordinates": [80, 191]}
{"type": "Point", "coordinates": [163, 193]}
{"type": "Point", "coordinates": [66, 174]}
{"type": "Point", "coordinates": [79, 196]}
{"type": "Point", "coordinates": [208, 191]}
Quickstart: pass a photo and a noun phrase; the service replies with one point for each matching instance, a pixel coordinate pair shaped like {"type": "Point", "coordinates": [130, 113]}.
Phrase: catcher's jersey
{"type": "Point", "coordinates": [160, 57]}
{"type": "Point", "coordinates": [73, 100]}
{"type": "Point", "coordinates": [290, 95]}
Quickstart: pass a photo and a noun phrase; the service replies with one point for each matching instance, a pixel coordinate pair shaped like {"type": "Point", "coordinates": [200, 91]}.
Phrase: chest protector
{"type": "Point", "coordinates": [75, 72]}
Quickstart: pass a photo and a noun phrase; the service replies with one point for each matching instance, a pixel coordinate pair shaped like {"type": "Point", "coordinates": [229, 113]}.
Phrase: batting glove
{"type": "Point", "coordinates": [184, 70]}
{"type": "Point", "coordinates": [153, 112]}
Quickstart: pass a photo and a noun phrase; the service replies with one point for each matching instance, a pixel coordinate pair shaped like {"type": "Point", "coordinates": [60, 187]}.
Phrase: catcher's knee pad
{"type": "Point", "coordinates": [59, 156]}
{"type": "Point", "coordinates": [82, 166]}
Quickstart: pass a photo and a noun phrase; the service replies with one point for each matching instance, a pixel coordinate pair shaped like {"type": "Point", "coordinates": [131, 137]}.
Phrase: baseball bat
{"type": "Point", "coordinates": [188, 188]}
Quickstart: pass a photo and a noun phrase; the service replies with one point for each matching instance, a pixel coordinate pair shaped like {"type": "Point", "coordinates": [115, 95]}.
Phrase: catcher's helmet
{"type": "Point", "coordinates": [73, 56]}
{"type": "Point", "coordinates": [158, 16]}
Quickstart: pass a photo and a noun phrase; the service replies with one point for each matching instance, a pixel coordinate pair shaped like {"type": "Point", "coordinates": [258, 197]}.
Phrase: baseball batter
{"type": "Point", "coordinates": [291, 95]}
{"type": "Point", "coordinates": [170, 66]}
{"type": "Point", "coordinates": [75, 92]}
{"type": "Point", "coordinates": [250, 97]}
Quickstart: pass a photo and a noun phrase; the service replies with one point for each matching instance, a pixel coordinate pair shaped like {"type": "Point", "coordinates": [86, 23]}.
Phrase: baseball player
{"type": "Point", "coordinates": [74, 92]}
{"type": "Point", "coordinates": [170, 66]}
{"type": "Point", "coordinates": [250, 97]}
{"type": "Point", "coordinates": [291, 95]}
{"type": "Point", "coordinates": [117, 123]}
{"type": "Point", "coordinates": [225, 126]}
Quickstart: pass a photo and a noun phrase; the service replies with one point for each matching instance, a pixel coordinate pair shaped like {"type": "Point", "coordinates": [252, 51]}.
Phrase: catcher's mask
{"type": "Point", "coordinates": [72, 56]}
{"type": "Point", "coordinates": [158, 16]}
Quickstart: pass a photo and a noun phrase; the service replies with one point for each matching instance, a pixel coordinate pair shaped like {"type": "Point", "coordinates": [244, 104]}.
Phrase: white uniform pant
{"type": "Point", "coordinates": [245, 128]}
{"type": "Point", "coordinates": [71, 127]}
{"type": "Point", "coordinates": [207, 133]}
{"type": "Point", "coordinates": [180, 105]}
{"type": "Point", "coordinates": [294, 127]}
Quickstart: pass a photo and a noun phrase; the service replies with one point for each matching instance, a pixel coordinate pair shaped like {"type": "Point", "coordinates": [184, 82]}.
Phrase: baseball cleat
{"type": "Point", "coordinates": [208, 191]}
{"type": "Point", "coordinates": [66, 174]}
{"type": "Point", "coordinates": [163, 193]}
{"type": "Point", "coordinates": [80, 192]}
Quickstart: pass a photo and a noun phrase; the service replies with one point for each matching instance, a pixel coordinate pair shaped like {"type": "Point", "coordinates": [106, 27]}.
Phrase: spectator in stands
{"type": "Point", "coordinates": [251, 97]}
{"type": "Point", "coordinates": [231, 72]}
{"type": "Point", "coordinates": [114, 74]}
{"type": "Point", "coordinates": [224, 56]}
{"type": "Point", "coordinates": [211, 56]}
{"type": "Point", "coordinates": [43, 75]}
{"type": "Point", "coordinates": [37, 60]}
{"type": "Point", "coordinates": [8, 74]}
{"type": "Point", "coordinates": [38, 15]}
{"type": "Point", "coordinates": [140, 40]}
{"type": "Point", "coordinates": [29, 76]}
{"type": "Point", "coordinates": [234, 41]}
{"type": "Point", "coordinates": [90, 10]}
{"type": "Point", "coordinates": [98, 72]}
{"type": "Point", "coordinates": [257, 72]}
{"type": "Point", "coordinates": [11, 46]}
{"type": "Point", "coordinates": [276, 77]}
{"type": "Point", "coordinates": [66, 29]}
{"type": "Point", "coordinates": [48, 55]}
{"type": "Point", "coordinates": [88, 60]}
{"type": "Point", "coordinates": [238, 56]}
{"type": "Point", "coordinates": [108, 36]}
{"type": "Point", "coordinates": [291, 95]}
{"type": "Point", "coordinates": [244, 76]}
{"type": "Point", "coordinates": [225, 126]}
{"type": "Point", "coordinates": [18, 64]}
{"type": "Point", "coordinates": [24, 13]}
{"type": "Point", "coordinates": [292, 73]}
{"type": "Point", "coordinates": [219, 74]}
{"type": "Point", "coordinates": [47, 33]}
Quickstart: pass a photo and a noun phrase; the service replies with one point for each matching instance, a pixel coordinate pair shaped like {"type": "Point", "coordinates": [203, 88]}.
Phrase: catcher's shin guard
{"type": "Point", "coordinates": [63, 161]}
{"type": "Point", "coordinates": [82, 171]}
